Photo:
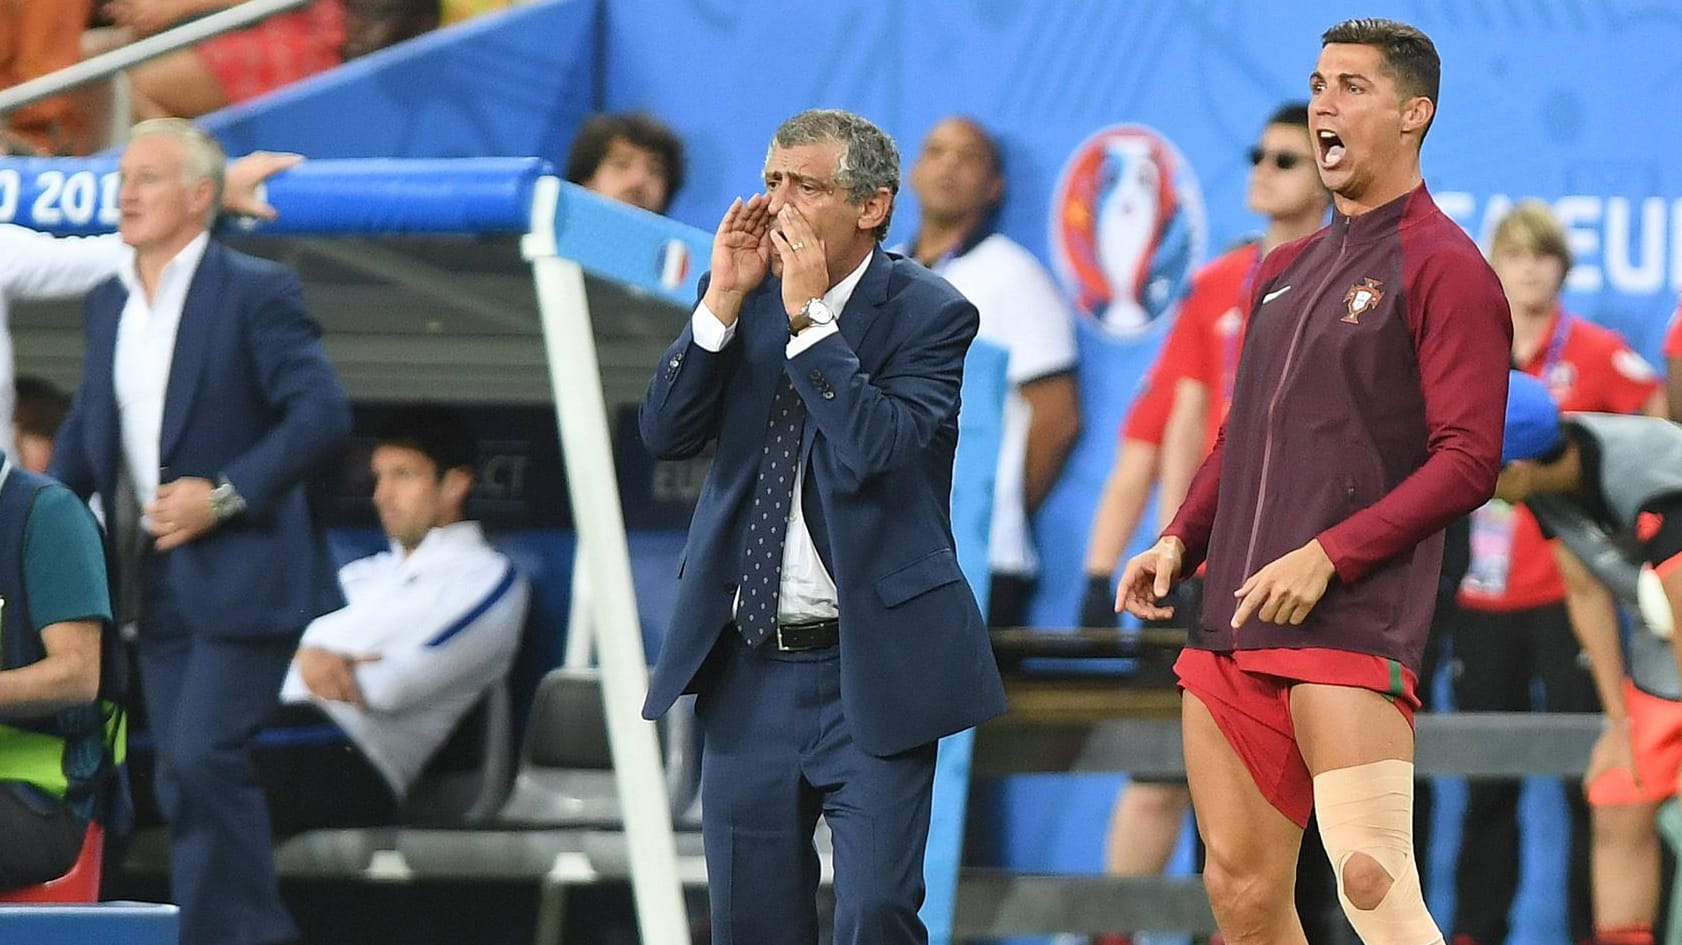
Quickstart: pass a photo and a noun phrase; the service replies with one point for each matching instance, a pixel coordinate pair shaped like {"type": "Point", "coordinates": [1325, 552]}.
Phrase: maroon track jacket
{"type": "Point", "coordinates": [1368, 413]}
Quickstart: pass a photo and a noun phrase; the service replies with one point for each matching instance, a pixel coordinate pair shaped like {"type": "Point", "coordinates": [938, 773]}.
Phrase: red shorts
{"type": "Point", "coordinates": [1249, 694]}
{"type": "Point", "coordinates": [1655, 729]}
{"type": "Point", "coordinates": [278, 51]}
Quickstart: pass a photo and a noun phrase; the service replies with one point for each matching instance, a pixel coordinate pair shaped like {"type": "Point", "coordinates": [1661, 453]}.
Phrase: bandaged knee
{"type": "Point", "coordinates": [1368, 810]}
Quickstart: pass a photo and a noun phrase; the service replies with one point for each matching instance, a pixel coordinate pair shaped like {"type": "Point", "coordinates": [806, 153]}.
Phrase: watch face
{"type": "Point", "coordinates": [819, 313]}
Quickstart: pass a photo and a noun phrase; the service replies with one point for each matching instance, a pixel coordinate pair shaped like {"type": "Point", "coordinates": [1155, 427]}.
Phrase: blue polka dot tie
{"type": "Point", "coordinates": [773, 494]}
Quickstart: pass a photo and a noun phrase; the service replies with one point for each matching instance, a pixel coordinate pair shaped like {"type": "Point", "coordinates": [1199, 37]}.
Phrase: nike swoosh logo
{"type": "Point", "coordinates": [1274, 294]}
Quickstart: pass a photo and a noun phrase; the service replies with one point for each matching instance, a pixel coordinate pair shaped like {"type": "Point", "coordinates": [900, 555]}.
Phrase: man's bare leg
{"type": "Point", "coordinates": [1359, 748]}
{"type": "Point", "coordinates": [1251, 864]}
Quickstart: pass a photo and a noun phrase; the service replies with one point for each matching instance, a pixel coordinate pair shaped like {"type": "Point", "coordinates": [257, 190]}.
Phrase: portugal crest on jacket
{"type": "Point", "coordinates": [1361, 298]}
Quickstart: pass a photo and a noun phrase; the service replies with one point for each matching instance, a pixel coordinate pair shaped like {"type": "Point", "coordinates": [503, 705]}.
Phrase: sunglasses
{"type": "Point", "coordinates": [1284, 160]}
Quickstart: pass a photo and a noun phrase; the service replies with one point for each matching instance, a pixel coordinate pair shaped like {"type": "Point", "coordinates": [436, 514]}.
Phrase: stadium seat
{"type": "Point", "coordinates": [562, 825]}
{"type": "Point", "coordinates": [566, 777]}
{"type": "Point", "coordinates": [79, 884]}
{"type": "Point", "coordinates": [563, 789]}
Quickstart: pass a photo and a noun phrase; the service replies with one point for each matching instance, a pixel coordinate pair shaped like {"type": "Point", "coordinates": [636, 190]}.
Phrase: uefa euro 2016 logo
{"type": "Point", "coordinates": [1127, 227]}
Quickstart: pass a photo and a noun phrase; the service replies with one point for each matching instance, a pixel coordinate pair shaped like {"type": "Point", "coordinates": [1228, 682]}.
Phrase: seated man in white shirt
{"type": "Point", "coordinates": [377, 687]}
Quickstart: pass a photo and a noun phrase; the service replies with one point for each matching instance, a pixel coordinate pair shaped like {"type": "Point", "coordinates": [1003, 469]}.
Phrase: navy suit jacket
{"type": "Point", "coordinates": [882, 404]}
{"type": "Point", "coordinates": [252, 397]}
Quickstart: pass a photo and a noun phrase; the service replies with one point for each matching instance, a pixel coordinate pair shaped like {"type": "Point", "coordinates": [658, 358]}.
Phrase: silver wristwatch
{"type": "Point", "coordinates": [225, 500]}
{"type": "Point", "coordinates": [814, 312]}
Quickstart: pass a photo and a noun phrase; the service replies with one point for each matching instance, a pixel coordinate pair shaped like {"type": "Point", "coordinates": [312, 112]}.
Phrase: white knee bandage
{"type": "Point", "coordinates": [1369, 809]}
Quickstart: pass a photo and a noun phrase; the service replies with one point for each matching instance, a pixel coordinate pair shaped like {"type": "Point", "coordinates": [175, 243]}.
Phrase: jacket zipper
{"type": "Point", "coordinates": [1278, 390]}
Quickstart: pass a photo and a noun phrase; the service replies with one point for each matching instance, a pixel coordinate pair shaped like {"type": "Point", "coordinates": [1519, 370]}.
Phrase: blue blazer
{"type": "Point", "coordinates": [252, 397]}
{"type": "Point", "coordinates": [882, 403]}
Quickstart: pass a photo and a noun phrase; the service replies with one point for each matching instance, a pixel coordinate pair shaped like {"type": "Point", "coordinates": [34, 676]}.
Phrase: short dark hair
{"type": "Point", "coordinates": [1409, 55]}
{"type": "Point", "coordinates": [640, 129]}
{"type": "Point", "coordinates": [439, 432]}
{"type": "Point", "coordinates": [40, 406]}
{"type": "Point", "coordinates": [1290, 113]}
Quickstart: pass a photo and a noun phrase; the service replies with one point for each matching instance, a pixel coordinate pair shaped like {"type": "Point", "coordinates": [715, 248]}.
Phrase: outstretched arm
{"type": "Point", "coordinates": [242, 191]}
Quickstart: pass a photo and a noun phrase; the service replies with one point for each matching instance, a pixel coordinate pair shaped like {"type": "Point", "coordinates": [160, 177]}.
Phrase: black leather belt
{"type": "Point", "coordinates": [813, 635]}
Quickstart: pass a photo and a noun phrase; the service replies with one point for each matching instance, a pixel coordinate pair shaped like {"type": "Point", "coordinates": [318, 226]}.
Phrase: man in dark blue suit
{"type": "Point", "coordinates": [820, 614]}
{"type": "Point", "coordinates": [206, 401]}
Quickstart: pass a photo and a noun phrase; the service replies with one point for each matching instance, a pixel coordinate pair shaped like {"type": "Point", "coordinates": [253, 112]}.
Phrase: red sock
{"type": "Point", "coordinates": [1639, 933]}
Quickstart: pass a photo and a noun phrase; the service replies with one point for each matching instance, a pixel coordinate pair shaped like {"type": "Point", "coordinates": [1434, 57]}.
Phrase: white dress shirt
{"type": "Point", "coordinates": [145, 351]}
{"type": "Point", "coordinates": [444, 621]}
{"type": "Point", "coordinates": [807, 591]}
{"type": "Point", "coordinates": [36, 266]}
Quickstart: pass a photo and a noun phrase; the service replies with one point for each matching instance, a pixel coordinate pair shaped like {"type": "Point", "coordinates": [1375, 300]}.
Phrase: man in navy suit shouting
{"type": "Point", "coordinates": [206, 401]}
{"type": "Point", "coordinates": [820, 615]}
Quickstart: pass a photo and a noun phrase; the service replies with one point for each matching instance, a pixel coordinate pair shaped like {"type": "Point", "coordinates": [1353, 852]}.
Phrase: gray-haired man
{"type": "Point", "coordinates": [821, 615]}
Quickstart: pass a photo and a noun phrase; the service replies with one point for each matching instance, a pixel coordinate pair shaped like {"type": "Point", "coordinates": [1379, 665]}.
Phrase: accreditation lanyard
{"type": "Point", "coordinates": [1556, 351]}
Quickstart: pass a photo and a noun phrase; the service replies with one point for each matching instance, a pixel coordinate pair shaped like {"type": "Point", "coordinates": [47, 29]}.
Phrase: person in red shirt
{"type": "Point", "coordinates": [1366, 416]}
{"type": "Point", "coordinates": [1513, 627]}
